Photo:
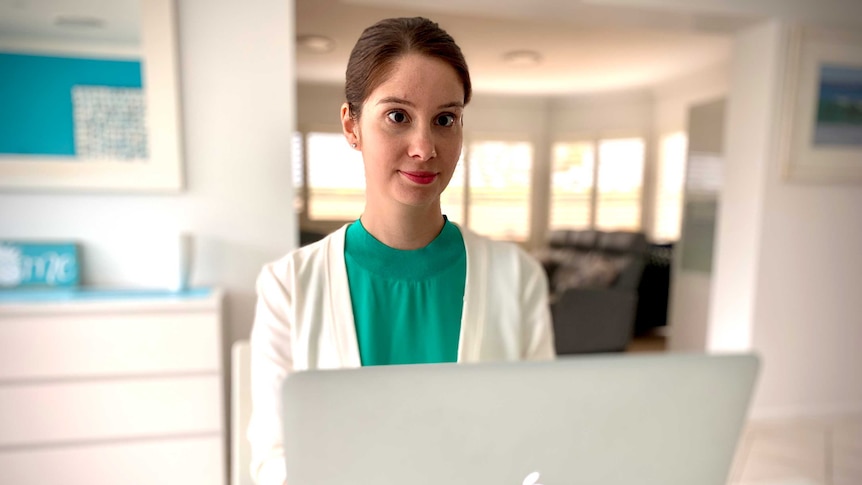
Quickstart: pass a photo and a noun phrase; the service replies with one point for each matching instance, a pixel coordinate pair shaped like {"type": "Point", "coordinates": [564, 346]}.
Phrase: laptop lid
{"type": "Point", "coordinates": [649, 419]}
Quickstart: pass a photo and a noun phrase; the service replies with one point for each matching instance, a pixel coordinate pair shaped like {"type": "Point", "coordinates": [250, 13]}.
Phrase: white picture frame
{"type": "Point", "coordinates": [806, 154]}
{"type": "Point", "coordinates": [162, 171]}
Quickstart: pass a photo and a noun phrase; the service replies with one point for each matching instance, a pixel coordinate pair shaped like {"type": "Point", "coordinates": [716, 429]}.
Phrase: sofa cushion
{"type": "Point", "coordinates": [584, 240]}
{"type": "Point", "coordinates": [622, 242]}
{"type": "Point", "coordinates": [589, 271]}
{"type": "Point", "coordinates": [559, 239]}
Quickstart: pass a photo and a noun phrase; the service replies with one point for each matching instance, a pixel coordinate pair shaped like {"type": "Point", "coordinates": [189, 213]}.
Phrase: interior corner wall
{"type": "Point", "coordinates": [237, 96]}
{"type": "Point", "coordinates": [787, 265]}
{"type": "Point", "coordinates": [748, 148]}
{"type": "Point", "coordinates": [688, 306]}
{"type": "Point", "coordinates": [691, 271]}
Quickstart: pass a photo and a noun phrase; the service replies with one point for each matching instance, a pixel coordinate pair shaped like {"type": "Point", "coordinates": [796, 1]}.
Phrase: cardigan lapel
{"type": "Point", "coordinates": [473, 312]}
{"type": "Point", "coordinates": [341, 320]}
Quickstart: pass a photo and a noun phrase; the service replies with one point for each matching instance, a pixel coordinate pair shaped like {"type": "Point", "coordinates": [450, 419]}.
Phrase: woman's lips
{"type": "Point", "coordinates": [421, 178]}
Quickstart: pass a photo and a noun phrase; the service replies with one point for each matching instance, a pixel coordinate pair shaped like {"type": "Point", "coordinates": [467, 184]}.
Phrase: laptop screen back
{"type": "Point", "coordinates": [665, 419]}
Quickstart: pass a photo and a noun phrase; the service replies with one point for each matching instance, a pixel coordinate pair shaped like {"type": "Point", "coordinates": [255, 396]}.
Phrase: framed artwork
{"type": "Point", "coordinates": [110, 121]}
{"type": "Point", "coordinates": [821, 139]}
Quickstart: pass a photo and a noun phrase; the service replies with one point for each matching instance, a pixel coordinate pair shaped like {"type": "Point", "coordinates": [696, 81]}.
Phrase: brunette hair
{"type": "Point", "coordinates": [383, 43]}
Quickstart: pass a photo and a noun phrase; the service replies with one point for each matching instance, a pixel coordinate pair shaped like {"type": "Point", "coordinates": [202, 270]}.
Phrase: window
{"type": "Point", "coordinates": [572, 175]}
{"type": "Point", "coordinates": [489, 191]}
{"type": "Point", "coordinates": [620, 183]}
{"type": "Point", "coordinates": [336, 178]}
{"type": "Point", "coordinates": [452, 200]}
{"type": "Point", "coordinates": [298, 172]}
{"type": "Point", "coordinates": [671, 177]}
{"type": "Point", "coordinates": [500, 174]}
{"type": "Point", "coordinates": [597, 184]}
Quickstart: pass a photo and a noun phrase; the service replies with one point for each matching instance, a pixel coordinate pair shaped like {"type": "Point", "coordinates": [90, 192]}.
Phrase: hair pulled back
{"type": "Point", "coordinates": [383, 43]}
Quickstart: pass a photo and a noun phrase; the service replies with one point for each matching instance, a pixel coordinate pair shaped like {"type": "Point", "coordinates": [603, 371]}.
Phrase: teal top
{"type": "Point", "coordinates": [406, 303]}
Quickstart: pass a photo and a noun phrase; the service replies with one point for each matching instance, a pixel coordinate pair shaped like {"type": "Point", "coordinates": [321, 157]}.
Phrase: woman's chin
{"type": "Point", "coordinates": [419, 200]}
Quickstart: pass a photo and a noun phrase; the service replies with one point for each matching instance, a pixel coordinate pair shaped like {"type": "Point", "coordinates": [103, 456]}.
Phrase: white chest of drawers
{"type": "Point", "coordinates": [106, 388]}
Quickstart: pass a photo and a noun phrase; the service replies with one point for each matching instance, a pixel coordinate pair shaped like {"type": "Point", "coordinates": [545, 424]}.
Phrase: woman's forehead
{"type": "Point", "coordinates": [420, 80]}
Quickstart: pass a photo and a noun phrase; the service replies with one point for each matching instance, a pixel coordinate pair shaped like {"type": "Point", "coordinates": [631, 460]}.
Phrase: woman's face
{"type": "Point", "coordinates": [410, 132]}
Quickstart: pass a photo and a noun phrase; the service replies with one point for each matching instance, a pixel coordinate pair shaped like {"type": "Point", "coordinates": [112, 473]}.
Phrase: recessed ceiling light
{"type": "Point", "coordinates": [318, 44]}
{"type": "Point", "coordinates": [522, 58]}
{"type": "Point", "coordinates": [79, 21]}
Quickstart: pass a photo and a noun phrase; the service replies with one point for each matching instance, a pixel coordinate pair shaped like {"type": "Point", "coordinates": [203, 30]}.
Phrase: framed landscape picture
{"type": "Point", "coordinates": [822, 108]}
{"type": "Point", "coordinates": [839, 107]}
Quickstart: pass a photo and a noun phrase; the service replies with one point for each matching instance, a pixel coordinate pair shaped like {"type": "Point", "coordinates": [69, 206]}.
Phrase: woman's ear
{"type": "Point", "coordinates": [350, 126]}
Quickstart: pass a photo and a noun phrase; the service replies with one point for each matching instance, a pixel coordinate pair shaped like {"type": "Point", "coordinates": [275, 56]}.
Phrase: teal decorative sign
{"type": "Point", "coordinates": [35, 264]}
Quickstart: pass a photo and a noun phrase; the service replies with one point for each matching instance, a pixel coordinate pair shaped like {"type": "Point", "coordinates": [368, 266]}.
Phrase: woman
{"type": "Point", "coordinates": [402, 284]}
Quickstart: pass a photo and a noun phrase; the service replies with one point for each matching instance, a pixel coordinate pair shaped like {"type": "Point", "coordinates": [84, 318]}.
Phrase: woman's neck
{"type": "Point", "coordinates": [404, 227]}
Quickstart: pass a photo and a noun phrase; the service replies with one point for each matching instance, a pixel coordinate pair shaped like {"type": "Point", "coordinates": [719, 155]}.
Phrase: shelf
{"type": "Point", "coordinates": [106, 299]}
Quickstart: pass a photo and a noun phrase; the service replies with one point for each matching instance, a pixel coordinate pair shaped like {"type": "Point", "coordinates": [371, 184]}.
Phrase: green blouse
{"type": "Point", "coordinates": [406, 304]}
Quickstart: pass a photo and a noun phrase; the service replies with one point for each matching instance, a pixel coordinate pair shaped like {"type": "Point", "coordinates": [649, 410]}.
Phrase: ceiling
{"type": "Point", "coordinates": [585, 48]}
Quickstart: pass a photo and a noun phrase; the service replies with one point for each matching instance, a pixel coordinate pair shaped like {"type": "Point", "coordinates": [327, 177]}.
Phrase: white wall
{"type": "Point", "coordinates": [671, 102]}
{"type": "Point", "coordinates": [673, 98]}
{"type": "Point", "coordinates": [688, 309]}
{"type": "Point", "coordinates": [604, 114]}
{"type": "Point", "coordinates": [787, 268]}
{"type": "Point", "coordinates": [318, 106]}
{"type": "Point", "coordinates": [691, 269]}
{"type": "Point", "coordinates": [236, 69]}
{"type": "Point", "coordinates": [748, 143]}
{"type": "Point", "coordinates": [689, 299]}
{"type": "Point", "coordinates": [808, 316]}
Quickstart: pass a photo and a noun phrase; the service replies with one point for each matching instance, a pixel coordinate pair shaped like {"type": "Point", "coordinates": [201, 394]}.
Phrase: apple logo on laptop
{"type": "Point", "coordinates": [532, 479]}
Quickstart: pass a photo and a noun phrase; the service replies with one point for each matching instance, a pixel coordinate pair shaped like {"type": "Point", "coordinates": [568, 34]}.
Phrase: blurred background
{"type": "Point", "coordinates": [673, 122]}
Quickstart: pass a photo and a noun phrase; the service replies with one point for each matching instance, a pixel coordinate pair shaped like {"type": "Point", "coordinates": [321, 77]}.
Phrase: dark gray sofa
{"type": "Point", "coordinates": [594, 279]}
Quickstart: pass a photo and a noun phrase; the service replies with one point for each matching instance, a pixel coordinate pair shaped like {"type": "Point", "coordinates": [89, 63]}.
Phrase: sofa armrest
{"type": "Point", "coordinates": [593, 320]}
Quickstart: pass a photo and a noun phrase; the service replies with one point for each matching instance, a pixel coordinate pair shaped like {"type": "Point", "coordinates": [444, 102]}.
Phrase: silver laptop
{"type": "Point", "coordinates": [656, 419]}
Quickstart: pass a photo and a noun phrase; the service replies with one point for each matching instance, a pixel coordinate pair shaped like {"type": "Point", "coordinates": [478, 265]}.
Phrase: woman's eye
{"type": "Point", "coordinates": [446, 120]}
{"type": "Point", "coordinates": [397, 116]}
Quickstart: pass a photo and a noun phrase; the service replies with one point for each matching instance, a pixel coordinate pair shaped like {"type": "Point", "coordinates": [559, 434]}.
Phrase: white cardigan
{"type": "Point", "coordinates": [304, 320]}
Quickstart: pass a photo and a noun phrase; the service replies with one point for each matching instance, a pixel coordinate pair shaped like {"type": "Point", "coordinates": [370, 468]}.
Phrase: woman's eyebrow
{"type": "Point", "coordinates": [396, 100]}
{"type": "Point", "coordinates": [453, 104]}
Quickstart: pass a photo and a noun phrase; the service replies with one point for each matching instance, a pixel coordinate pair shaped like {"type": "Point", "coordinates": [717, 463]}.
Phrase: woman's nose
{"type": "Point", "coordinates": [422, 146]}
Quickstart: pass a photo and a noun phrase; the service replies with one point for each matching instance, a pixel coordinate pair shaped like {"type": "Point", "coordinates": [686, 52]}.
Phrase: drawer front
{"type": "Point", "coordinates": [194, 461]}
{"type": "Point", "coordinates": [61, 346]}
{"type": "Point", "coordinates": [81, 412]}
